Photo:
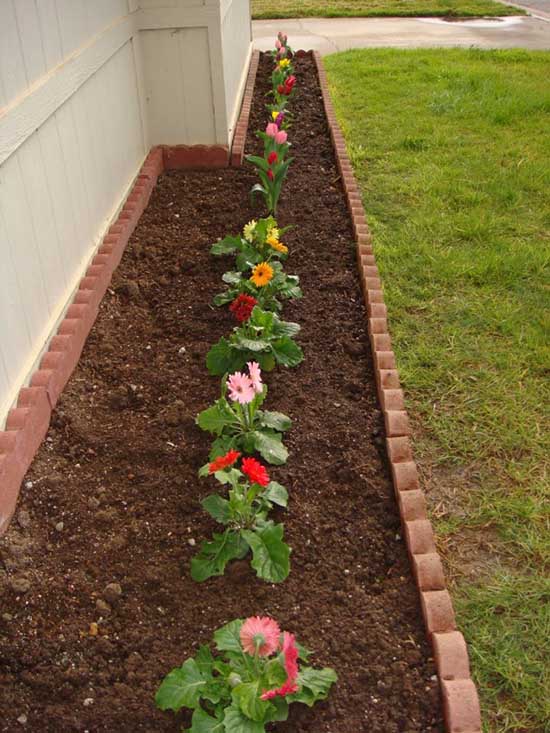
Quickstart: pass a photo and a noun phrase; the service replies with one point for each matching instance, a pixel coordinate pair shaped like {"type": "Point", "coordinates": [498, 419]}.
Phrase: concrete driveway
{"type": "Point", "coordinates": [328, 35]}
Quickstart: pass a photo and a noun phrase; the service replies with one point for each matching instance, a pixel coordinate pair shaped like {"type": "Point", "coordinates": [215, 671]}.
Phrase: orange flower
{"type": "Point", "coordinates": [278, 246]}
{"type": "Point", "coordinates": [261, 274]}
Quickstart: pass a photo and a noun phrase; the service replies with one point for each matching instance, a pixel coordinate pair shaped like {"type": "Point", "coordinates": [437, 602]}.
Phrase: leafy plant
{"type": "Point", "coordinates": [251, 682]}
{"type": "Point", "coordinates": [263, 337]}
{"type": "Point", "coordinates": [244, 514]}
{"type": "Point", "coordinates": [259, 242]}
{"type": "Point", "coordinates": [238, 422]}
{"type": "Point", "coordinates": [268, 297]}
{"type": "Point", "coordinates": [272, 169]}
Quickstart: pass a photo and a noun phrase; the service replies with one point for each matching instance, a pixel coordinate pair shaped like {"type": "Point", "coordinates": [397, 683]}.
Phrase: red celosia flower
{"type": "Point", "coordinates": [270, 174]}
{"type": "Point", "coordinates": [290, 653]}
{"type": "Point", "coordinates": [221, 462]}
{"type": "Point", "coordinates": [242, 307]}
{"type": "Point", "coordinates": [272, 158]}
{"type": "Point", "coordinates": [255, 471]}
{"type": "Point", "coordinates": [281, 89]}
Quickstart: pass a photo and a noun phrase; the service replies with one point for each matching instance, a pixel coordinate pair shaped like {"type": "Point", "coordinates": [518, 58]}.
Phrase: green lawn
{"type": "Point", "coordinates": [452, 152]}
{"type": "Point", "coordinates": [377, 8]}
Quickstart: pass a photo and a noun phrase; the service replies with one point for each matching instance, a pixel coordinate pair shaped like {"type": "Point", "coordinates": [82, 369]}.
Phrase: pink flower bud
{"type": "Point", "coordinates": [277, 44]}
{"type": "Point", "coordinates": [271, 129]}
{"type": "Point", "coordinates": [280, 137]}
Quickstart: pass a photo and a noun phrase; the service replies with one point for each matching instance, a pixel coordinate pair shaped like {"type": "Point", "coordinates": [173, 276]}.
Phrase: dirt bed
{"type": "Point", "coordinates": [113, 495]}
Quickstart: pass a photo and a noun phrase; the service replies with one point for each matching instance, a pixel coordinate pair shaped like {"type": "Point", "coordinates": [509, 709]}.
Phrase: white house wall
{"type": "Point", "coordinates": [71, 142]}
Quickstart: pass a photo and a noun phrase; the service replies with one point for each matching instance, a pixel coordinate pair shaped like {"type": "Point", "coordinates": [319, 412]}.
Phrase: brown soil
{"type": "Point", "coordinates": [118, 470]}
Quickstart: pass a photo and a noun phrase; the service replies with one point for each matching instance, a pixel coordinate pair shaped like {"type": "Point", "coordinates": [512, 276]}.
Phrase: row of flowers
{"type": "Point", "coordinates": [258, 671]}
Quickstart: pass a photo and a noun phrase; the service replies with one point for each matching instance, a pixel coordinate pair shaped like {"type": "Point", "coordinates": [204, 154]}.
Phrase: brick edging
{"type": "Point", "coordinates": [459, 694]}
{"type": "Point", "coordinates": [239, 138]}
{"type": "Point", "coordinates": [28, 422]}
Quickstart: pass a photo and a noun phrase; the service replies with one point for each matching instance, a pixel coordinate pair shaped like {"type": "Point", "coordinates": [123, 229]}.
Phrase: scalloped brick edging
{"type": "Point", "coordinates": [458, 692]}
{"type": "Point", "coordinates": [241, 128]}
{"type": "Point", "coordinates": [27, 422]}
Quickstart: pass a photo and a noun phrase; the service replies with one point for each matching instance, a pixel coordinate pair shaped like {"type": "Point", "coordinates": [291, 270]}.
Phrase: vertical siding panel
{"type": "Point", "coordinates": [197, 87]}
{"type": "Point", "coordinates": [28, 23]}
{"type": "Point", "coordinates": [88, 164]}
{"type": "Point", "coordinates": [12, 69]}
{"type": "Point", "coordinates": [49, 30]}
{"type": "Point", "coordinates": [42, 216]}
{"type": "Point", "coordinates": [73, 24]}
{"type": "Point", "coordinates": [14, 336]}
{"type": "Point", "coordinates": [56, 178]}
{"type": "Point", "coordinates": [28, 264]}
{"type": "Point", "coordinates": [77, 193]}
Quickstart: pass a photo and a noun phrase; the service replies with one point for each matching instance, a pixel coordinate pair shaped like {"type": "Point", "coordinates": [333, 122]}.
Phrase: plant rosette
{"type": "Point", "coordinates": [272, 169]}
{"type": "Point", "coordinates": [257, 673]}
{"type": "Point", "coordinates": [244, 514]}
{"type": "Point", "coordinates": [238, 422]}
{"type": "Point", "coordinates": [260, 241]}
{"type": "Point", "coordinates": [267, 289]}
{"type": "Point", "coordinates": [263, 337]}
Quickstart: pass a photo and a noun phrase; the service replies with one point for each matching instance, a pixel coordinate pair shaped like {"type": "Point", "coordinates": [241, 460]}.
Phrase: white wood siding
{"type": "Point", "coordinates": [71, 142]}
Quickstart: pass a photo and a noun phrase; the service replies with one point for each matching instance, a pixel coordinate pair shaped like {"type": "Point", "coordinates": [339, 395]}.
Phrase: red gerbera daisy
{"type": "Point", "coordinates": [255, 471]}
{"type": "Point", "coordinates": [242, 307]}
{"type": "Point", "coordinates": [221, 462]}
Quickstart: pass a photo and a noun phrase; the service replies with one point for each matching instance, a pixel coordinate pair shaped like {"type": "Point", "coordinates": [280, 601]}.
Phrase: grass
{"type": "Point", "coordinates": [263, 9]}
{"type": "Point", "coordinates": [452, 153]}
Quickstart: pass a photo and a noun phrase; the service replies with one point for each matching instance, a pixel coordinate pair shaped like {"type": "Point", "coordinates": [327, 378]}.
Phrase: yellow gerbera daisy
{"type": "Point", "coordinates": [261, 274]}
{"type": "Point", "coordinates": [274, 114]}
{"type": "Point", "coordinates": [249, 229]}
{"type": "Point", "coordinates": [278, 246]}
{"type": "Point", "coordinates": [283, 63]}
{"type": "Point", "coordinates": [273, 232]}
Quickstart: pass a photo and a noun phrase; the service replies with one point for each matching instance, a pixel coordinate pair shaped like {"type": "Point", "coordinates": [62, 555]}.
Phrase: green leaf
{"type": "Point", "coordinates": [232, 278]}
{"type": "Point", "coordinates": [181, 688]}
{"type": "Point", "coordinates": [223, 298]}
{"type": "Point", "coordinates": [204, 723]}
{"type": "Point", "coordinates": [217, 507]}
{"type": "Point", "coordinates": [314, 685]}
{"type": "Point", "coordinates": [260, 162]}
{"type": "Point", "coordinates": [248, 344]}
{"type": "Point", "coordinates": [280, 711]}
{"type": "Point", "coordinates": [247, 258]}
{"type": "Point", "coordinates": [287, 352]}
{"type": "Point", "coordinates": [220, 447]}
{"type": "Point", "coordinates": [270, 555]}
{"type": "Point", "coordinates": [276, 494]}
{"type": "Point", "coordinates": [214, 556]}
{"type": "Point", "coordinates": [286, 328]}
{"type": "Point", "coordinates": [227, 639]}
{"type": "Point", "coordinates": [247, 697]}
{"type": "Point", "coordinates": [275, 420]}
{"type": "Point", "coordinates": [221, 358]}
{"type": "Point", "coordinates": [225, 246]}
{"type": "Point", "coordinates": [214, 419]}
{"type": "Point", "coordinates": [235, 722]}
{"type": "Point", "coordinates": [262, 319]}
{"type": "Point", "coordinates": [269, 446]}
{"type": "Point", "coordinates": [266, 361]}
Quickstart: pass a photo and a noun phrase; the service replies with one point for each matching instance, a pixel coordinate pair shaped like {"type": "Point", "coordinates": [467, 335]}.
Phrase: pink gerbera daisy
{"type": "Point", "coordinates": [255, 376]}
{"type": "Point", "coordinates": [290, 654]}
{"type": "Point", "coordinates": [240, 388]}
{"type": "Point", "coordinates": [260, 634]}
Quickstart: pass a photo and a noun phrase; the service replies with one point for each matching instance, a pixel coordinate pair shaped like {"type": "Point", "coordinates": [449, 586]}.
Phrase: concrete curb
{"type": "Point", "coordinates": [459, 694]}
{"type": "Point", "coordinates": [27, 422]}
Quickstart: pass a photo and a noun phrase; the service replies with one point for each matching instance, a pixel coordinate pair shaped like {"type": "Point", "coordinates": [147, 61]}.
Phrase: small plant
{"type": "Point", "coordinates": [272, 169]}
{"type": "Point", "coordinates": [238, 423]}
{"type": "Point", "coordinates": [260, 241]}
{"type": "Point", "coordinates": [263, 337]}
{"type": "Point", "coordinates": [251, 495]}
{"type": "Point", "coordinates": [267, 296]}
{"type": "Point", "coordinates": [258, 673]}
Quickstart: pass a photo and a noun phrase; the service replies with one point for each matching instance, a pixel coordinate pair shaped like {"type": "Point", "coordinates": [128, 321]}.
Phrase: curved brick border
{"type": "Point", "coordinates": [241, 128]}
{"type": "Point", "coordinates": [27, 423]}
{"type": "Point", "coordinates": [459, 694]}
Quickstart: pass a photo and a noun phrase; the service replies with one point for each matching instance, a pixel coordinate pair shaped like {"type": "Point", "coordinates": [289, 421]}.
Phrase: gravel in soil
{"type": "Point", "coordinates": [97, 604]}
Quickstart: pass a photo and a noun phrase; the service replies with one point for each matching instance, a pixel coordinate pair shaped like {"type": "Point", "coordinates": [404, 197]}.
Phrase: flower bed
{"type": "Point", "coordinates": [113, 496]}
